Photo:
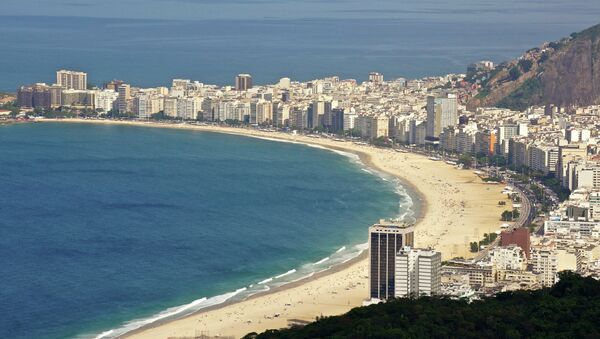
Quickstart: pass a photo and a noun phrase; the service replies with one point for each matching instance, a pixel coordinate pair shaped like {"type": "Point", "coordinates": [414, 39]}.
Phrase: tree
{"type": "Point", "coordinates": [160, 116]}
{"type": "Point", "coordinates": [382, 142]}
{"type": "Point", "coordinates": [514, 73]}
{"type": "Point", "coordinates": [474, 246]}
{"type": "Point", "coordinates": [569, 309]}
{"type": "Point", "coordinates": [507, 216]}
{"type": "Point", "coordinates": [525, 65]}
{"type": "Point", "coordinates": [466, 160]}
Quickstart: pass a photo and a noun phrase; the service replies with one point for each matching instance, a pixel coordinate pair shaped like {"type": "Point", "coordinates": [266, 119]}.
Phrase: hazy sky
{"type": "Point", "coordinates": [496, 11]}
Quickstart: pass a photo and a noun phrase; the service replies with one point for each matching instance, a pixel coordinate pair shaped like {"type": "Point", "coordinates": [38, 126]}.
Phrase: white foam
{"type": "Point", "coordinates": [265, 281]}
{"type": "Point", "coordinates": [168, 313]}
{"type": "Point", "coordinates": [321, 261]}
{"type": "Point", "coordinates": [286, 273]}
{"type": "Point", "coordinates": [104, 334]}
{"type": "Point", "coordinates": [405, 213]}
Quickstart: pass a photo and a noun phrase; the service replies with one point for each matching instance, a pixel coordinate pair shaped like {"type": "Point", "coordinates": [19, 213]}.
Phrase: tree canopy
{"type": "Point", "coordinates": [570, 309]}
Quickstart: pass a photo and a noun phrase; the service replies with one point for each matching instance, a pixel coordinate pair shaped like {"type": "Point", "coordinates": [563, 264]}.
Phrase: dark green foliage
{"type": "Point", "coordinates": [510, 215]}
{"type": "Point", "coordinates": [160, 116]}
{"type": "Point", "coordinates": [484, 92]}
{"type": "Point", "coordinates": [514, 73]}
{"type": "Point", "coordinates": [552, 183]}
{"type": "Point", "coordinates": [529, 93]}
{"type": "Point", "coordinates": [543, 57]}
{"type": "Point", "coordinates": [382, 142]}
{"type": "Point", "coordinates": [474, 247]}
{"type": "Point", "coordinates": [465, 160]}
{"type": "Point", "coordinates": [570, 309]}
{"type": "Point", "coordinates": [525, 65]}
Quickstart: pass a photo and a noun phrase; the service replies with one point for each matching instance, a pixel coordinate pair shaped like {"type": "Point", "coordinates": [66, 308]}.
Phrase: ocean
{"type": "Point", "coordinates": [106, 228]}
{"type": "Point", "coordinates": [150, 42]}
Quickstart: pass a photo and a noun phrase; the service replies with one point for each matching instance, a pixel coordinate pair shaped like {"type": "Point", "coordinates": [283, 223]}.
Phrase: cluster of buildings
{"type": "Point", "coordinates": [396, 269]}
{"type": "Point", "coordinates": [371, 109]}
{"type": "Point", "coordinates": [519, 261]}
{"type": "Point", "coordinates": [558, 142]}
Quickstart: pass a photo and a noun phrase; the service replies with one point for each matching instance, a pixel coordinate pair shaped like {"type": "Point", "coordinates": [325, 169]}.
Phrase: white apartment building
{"type": "Point", "coordinates": [508, 258]}
{"type": "Point", "coordinates": [71, 79]}
{"type": "Point", "coordinates": [417, 272]}
{"type": "Point", "coordinates": [349, 121]}
{"type": "Point", "coordinates": [544, 263]}
{"type": "Point", "coordinates": [105, 100]}
{"type": "Point", "coordinates": [572, 227]}
{"type": "Point", "coordinates": [188, 108]}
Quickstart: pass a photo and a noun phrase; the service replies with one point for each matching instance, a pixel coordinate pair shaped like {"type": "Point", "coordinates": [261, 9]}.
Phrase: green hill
{"type": "Point", "coordinates": [570, 309]}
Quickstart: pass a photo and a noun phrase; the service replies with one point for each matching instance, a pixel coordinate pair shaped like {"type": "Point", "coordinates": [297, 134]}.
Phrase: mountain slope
{"type": "Point", "coordinates": [561, 73]}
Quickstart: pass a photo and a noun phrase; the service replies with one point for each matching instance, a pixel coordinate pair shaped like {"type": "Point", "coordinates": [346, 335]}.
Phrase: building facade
{"type": "Point", "coordinates": [385, 240]}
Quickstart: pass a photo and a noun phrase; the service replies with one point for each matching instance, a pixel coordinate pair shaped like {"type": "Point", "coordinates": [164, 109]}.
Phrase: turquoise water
{"type": "Point", "coordinates": [101, 225]}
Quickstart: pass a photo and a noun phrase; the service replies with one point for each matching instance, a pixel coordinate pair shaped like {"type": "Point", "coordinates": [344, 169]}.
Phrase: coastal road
{"type": "Point", "coordinates": [526, 216]}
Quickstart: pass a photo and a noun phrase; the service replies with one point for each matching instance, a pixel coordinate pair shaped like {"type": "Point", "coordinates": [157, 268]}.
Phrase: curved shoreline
{"type": "Point", "coordinates": [369, 156]}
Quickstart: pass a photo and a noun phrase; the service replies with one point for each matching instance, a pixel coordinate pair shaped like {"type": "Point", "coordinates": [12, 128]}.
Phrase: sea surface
{"type": "Point", "coordinates": [150, 42]}
{"type": "Point", "coordinates": [106, 228]}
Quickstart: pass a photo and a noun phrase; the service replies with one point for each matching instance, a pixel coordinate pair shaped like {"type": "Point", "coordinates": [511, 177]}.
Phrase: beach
{"type": "Point", "coordinates": [455, 208]}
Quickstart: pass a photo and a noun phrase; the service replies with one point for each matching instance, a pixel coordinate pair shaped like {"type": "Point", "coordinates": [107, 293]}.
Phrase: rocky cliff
{"type": "Point", "coordinates": [562, 73]}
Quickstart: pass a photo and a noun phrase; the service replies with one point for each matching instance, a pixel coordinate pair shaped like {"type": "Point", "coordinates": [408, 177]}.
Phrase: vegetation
{"type": "Point", "coordinates": [552, 183]}
{"type": "Point", "coordinates": [382, 142]}
{"type": "Point", "coordinates": [530, 92]}
{"type": "Point", "coordinates": [525, 65]}
{"type": "Point", "coordinates": [160, 116]}
{"type": "Point", "coordinates": [466, 160]}
{"type": "Point", "coordinates": [514, 73]}
{"type": "Point", "coordinates": [510, 215]}
{"type": "Point", "coordinates": [487, 239]}
{"type": "Point", "coordinates": [570, 309]}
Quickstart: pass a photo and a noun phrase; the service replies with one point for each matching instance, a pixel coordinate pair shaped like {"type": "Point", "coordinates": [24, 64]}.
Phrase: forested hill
{"type": "Point", "coordinates": [562, 73]}
{"type": "Point", "coordinates": [570, 309]}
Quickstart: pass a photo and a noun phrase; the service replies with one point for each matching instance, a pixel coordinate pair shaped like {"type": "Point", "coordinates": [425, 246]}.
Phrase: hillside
{"type": "Point", "coordinates": [570, 309]}
{"type": "Point", "coordinates": [561, 73]}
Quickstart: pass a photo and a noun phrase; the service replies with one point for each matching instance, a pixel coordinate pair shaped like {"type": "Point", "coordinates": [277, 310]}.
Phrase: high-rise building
{"type": "Point", "coordinates": [285, 83]}
{"type": "Point", "coordinates": [441, 113]}
{"type": "Point", "coordinates": [566, 154]}
{"type": "Point", "coordinates": [55, 95]}
{"type": "Point", "coordinates": [35, 96]}
{"type": "Point", "coordinates": [337, 120]}
{"type": "Point", "coordinates": [417, 272]}
{"type": "Point", "coordinates": [243, 82]}
{"type": "Point", "coordinates": [386, 238]}
{"type": "Point", "coordinates": [71, 79]}
{"type": "Point", "coordinates": [124, 98]}
{"type": "Point", "coordinates": [321, 114]}
{"type": "Point", "coordinates": [505, 133]}
{"type": "Point", "coordinates": [544, 263]}
{"type": "Point", "coordinates": [375, 77]}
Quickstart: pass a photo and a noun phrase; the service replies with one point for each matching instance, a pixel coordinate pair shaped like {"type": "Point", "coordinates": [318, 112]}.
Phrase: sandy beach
{"type": "Point", "coordinates": [456, 208]}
